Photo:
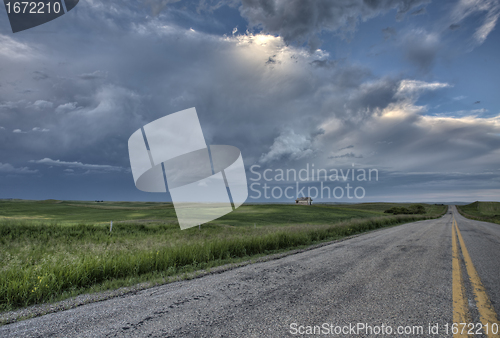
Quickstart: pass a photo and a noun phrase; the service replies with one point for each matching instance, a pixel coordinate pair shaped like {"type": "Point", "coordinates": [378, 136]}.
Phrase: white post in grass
{"type": "Point", "coordinates": [199, 226]}
{"type": "Point", "coordinates": [254, 226]}
{"type": "Point", "coordinates": [111, 226]}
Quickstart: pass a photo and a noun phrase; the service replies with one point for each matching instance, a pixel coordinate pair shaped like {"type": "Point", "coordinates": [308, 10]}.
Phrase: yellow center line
{"type": "Point", "coordinates": [460, 309]}
{"type": "Point", "coordinates": [487, 313]}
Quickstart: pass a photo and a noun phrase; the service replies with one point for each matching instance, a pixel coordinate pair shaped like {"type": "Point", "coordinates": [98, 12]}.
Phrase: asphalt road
{"type": "Point", "coordinates": [402, 277]}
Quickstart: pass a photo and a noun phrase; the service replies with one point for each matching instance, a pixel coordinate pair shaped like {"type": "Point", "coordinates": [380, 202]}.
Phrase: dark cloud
{"type": "Point", "coordinates": [158, 5]}
{"type": "Point", "coordinates": [39, 75]}
{"type": "Point", "coordinates": [347, 155]}
{"type": "Point", "coordinates": [371, 97]}
{"type": "Point", "coordinates": [302, 20]}
{"type": "Point", "coordinates": [389, 33]}
{"type": "Point", "coordinates": [420, 11]}
{"type": "Point", "coordinates": [421, 48]}
{"type": "Point", "coordinates": [271, 60]}
{"type": "Point", "coordinates": [324, 63]}
{"type": "Point", "coordinates": [454, 26]}
{"type": "Point", "coordinates": [348, 147]}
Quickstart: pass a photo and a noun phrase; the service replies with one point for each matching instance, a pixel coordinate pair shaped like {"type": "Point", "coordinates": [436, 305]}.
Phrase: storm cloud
{"type": "Point", "coordinates": [301, 20]}
{"type": "Point", "coordinates": [77, 100]}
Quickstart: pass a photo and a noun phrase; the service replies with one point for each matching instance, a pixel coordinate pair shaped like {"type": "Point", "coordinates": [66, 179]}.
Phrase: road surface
{"type": "Point", "coordinates": [401, 278]}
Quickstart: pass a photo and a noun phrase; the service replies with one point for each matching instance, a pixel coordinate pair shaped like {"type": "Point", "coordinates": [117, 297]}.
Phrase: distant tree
{"type": "Point", "coordinates": [412, 209]}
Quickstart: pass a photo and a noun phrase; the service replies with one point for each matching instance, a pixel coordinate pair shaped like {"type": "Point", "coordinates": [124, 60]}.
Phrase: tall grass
{"type": "Point", "coordinates": [37, 273]}
{"type": "Point", "coordinates": [481, 211]}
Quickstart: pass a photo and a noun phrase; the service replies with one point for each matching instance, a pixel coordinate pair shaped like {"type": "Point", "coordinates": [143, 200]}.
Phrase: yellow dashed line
{"type": "Point", "coordinates": [460, 309]}
{"type": "Point", "coordinates": [487, 313]}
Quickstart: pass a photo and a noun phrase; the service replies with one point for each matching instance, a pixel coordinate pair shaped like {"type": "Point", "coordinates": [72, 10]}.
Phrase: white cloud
{"type": "Point", "coordinates": [489, 24]}
{"type": "Point", "coordinates": [44, 130]}
{"type": "Point", "coordinates": [94, 75]}
{"type": "Point", "coordinates": [41, 105]}
{"type": "Point", "coordinates": [402, 140]}
{"type": "Point", "coordinates": [288, 145]}
{"type": "Point", "coordinates": [36, 129]}
{"type": "Point", "coordinates": [10, 169]}
{"type": "Point", "coordinates": [467, 8]}
{"type": "Point", "coordinates": [13, 105]}
{"type": "Point", "coordinates": [463, 113]}
{"type": "Point", "coordinates": [14, 50]}
{"type": "Point", "coordinates": [67, 107]}
{"type": "Point", "coordinates": [415, 87]}
{"type": "Point", "coordinates": [78, 165]}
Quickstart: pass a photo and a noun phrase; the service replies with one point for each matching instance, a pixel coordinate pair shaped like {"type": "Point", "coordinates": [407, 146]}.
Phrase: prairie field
{"type": "Point", "coordinates": [51, 250]}
{"type": "Point", "coordinates": [481, 211]}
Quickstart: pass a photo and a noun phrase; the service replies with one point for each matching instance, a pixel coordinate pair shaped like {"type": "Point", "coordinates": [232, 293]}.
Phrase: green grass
{"type": "Point", "coordinates": [481, 211]}
{"type": "Point", "coordinates": [71, 212]}
{"type": "Point", "coordinates": [50, 250]}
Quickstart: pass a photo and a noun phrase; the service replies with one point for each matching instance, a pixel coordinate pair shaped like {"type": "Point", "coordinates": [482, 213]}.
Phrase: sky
{"type": "Point", "coordinates": [405, 88]}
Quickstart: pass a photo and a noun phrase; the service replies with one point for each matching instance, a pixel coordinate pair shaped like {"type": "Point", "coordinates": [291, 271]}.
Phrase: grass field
{"type": "Point", "coordinates": [51, 250]}
{"type": "Point", "coordinates": [481, 211]}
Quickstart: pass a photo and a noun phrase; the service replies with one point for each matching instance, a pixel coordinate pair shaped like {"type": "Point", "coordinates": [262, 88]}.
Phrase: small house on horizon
{"type": "Point", "coordinates": [304, 201]}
